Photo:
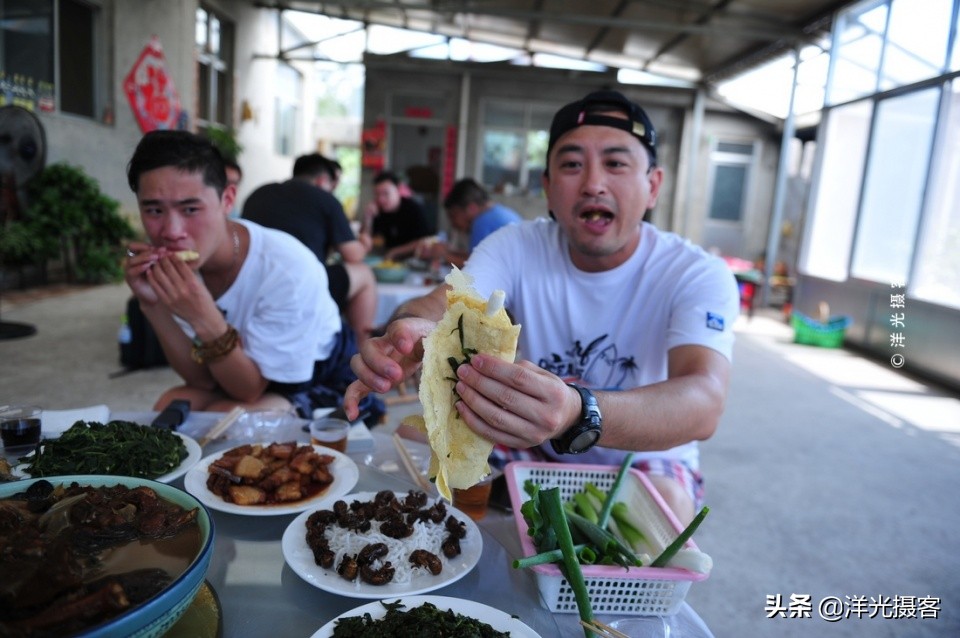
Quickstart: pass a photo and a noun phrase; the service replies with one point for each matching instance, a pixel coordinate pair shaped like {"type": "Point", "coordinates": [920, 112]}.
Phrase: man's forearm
{"type": "Point", "coordinates": [662, 415]}
{"type": "Point", "coordinates": [430, 306]}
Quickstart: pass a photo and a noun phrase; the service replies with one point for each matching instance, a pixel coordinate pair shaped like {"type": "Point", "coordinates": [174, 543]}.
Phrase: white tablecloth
{"type": "Point", "coordinates": [390, 296]}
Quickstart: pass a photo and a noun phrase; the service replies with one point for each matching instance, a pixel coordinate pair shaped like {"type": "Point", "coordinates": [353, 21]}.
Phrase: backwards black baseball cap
{"type": "Point", "coordinates": [587, 112]}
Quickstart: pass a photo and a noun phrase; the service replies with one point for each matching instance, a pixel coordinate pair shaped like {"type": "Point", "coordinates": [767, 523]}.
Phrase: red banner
{"type": "Point", "coordinates": [150, 90]}
{"type": "Point", "coordinates": [374, 146]}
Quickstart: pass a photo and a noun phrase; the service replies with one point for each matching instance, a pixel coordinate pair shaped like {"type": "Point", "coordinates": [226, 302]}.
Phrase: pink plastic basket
{"type": "Point", "coordinates": [640, 591]}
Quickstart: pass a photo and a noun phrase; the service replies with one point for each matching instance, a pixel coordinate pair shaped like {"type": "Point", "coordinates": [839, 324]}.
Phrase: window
{"type": "Point", "coordinates": [46, 62]}
{"type": "Point", "coordinates": [916, 41]}
{"type": "Point", "coordinates": [513, 146]}
{"type": "Point", "coordinates": [287, 109]}
{"type": "Point", "coordinates": [937, 276]}
{"type": "Point", "coordinates": [856, 52]}
{"type": "Point", "coordinates": [834, 212]}
{"type": "Point", "coordinates": [893, 186]}
{"type": "Point", "coordinates": [214, 40]}
{"type": "Point", "coordinates": [730, 173]}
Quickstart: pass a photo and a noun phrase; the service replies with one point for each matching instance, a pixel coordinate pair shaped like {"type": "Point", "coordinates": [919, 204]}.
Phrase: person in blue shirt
{"type": "Point", "coordinates": [472, 213]}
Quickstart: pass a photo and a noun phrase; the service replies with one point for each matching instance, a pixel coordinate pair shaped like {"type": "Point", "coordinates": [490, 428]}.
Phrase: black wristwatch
{"type": "Point", "coordinates": [585, 433]}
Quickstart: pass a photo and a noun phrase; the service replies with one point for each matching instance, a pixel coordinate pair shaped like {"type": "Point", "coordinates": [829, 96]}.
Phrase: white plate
{"type": "Point", "coordinates": [499, 620]}
{"type": "Point", "coordinates": [345, 476]}
{"type": "Point", "coordinates": [193, 456]}
{"type": "Point", "coordinates": [300, 558]}
{"type": "Point", "coordinates": [194, 453]}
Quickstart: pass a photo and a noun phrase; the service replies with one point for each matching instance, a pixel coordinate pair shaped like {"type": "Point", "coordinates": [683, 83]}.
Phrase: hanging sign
{"type": "Point", "coordinates": [150, 90]}
{"type": "Point", "coordinates": [374, 145]}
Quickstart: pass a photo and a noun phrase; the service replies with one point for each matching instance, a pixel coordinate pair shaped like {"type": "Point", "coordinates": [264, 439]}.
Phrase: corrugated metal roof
{"type": "Point", "coordinates": [693, 40]}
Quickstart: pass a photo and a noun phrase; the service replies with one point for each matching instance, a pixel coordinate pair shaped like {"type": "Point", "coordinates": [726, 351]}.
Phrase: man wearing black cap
{"type": "Point", "coordinates": [626, 330]}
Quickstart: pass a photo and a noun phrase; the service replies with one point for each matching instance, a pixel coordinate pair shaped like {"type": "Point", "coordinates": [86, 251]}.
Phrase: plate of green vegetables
{"type": "Point", "coordinates": [416, 615]}
{"type": "Point", "coordinates": [115, 448]}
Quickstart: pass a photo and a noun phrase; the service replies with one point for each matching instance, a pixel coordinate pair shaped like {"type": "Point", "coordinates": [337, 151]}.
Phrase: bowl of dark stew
{"type": "Point", "coordinates": [99, 556]}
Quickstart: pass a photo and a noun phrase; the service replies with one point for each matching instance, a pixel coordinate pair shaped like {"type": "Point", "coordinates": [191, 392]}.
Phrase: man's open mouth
{"type": "Point", "coordinates": [596, 216]}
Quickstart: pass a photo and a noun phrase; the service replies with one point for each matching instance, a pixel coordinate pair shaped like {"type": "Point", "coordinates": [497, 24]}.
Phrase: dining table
{"type": "Point", "coordinates": [261, 595]}
{"type": "Point", "coordinates": [390, 295]}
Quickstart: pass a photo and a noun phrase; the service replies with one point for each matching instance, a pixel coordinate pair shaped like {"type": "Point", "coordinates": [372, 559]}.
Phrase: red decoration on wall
{"type": "Point", "coordinates": [374, 144]}
{"type": "Point", "coordinates": [449, 160]}
{"type": "Point", "coordinates": [150, 90]}
{"type": "Point", "coordinates": [423, 112]}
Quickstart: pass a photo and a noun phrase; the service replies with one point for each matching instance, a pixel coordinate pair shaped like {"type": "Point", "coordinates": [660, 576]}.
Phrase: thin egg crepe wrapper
{"type": "Point", "coordinates": [458, 455]}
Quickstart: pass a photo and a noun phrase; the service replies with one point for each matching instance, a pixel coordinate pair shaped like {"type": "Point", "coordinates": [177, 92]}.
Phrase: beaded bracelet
{"type": "Point", "coordinates": [217, 349]}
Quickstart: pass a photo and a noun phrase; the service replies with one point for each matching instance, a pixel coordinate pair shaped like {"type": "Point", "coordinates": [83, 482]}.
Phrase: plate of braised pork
{"type": "Point", "coordinates": [271, 479]}
{"type": "Point", "coordinates": [377, 544]}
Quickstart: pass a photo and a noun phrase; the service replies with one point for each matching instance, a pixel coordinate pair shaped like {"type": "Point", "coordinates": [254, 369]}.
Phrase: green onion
{"type": "Point", "coordinates": [552, 506]}
{"type": "Point", "coordinates": [611, 498]}
{"type": "Point", "coordinates": [609, 545]}
{"type": "Point", "coordinates": [584, 552]}
{"type": "Point", "coordinates": [684, 536]}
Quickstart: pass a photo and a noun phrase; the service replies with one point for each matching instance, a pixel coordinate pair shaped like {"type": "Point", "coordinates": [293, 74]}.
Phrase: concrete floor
{"type": "Point", "coordinates": [830, 476]}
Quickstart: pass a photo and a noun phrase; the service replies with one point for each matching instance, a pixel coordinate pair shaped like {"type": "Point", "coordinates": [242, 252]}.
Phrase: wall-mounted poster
{"type": "Point", "coordinates": [374, 145]}
{"type": "Point", "coordinates": [150, 90]}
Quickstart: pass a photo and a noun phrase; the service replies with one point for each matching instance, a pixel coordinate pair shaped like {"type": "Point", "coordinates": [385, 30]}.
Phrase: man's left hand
{"type": "Point", "coordinates": [519, 405]}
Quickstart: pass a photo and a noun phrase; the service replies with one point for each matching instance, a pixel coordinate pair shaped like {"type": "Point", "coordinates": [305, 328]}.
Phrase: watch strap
{"type": "Point", "coordinates": [588, 426]}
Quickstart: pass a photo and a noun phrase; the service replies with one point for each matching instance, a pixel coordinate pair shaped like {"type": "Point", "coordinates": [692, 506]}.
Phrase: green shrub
{"type": "Point", "coordinates": [69, 217]}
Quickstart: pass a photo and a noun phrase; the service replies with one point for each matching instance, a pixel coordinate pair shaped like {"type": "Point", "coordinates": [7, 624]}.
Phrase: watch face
{"type": "Point", "coordinates": [584, 441]}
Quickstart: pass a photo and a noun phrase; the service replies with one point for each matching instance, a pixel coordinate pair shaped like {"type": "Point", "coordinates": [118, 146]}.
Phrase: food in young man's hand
{"type": "Point", "coordinates": [187, 255]}
{"type": "Point", "coordinates": [469, 326]}
{"type": "Point", "coordinates": [388, 539]}
{"type": "Point", "coordinates": [116, 448]}
{"type": "Point", "coordinates": [427, 620]}
{"type": "Point", "coordinates": [278, 473]}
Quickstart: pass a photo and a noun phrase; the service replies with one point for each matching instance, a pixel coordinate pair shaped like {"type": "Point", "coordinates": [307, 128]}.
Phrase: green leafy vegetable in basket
{"type": "Point", "coordinates": [119, 448]}
{"type": "Point", "coordinates": [624, 539]}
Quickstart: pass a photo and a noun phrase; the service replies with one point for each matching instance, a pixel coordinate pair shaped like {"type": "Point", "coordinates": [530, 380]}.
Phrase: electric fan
{"type": "Point", "coordinates": [22, 156]}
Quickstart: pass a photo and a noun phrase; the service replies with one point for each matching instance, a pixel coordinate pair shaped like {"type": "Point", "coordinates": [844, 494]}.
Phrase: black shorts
{"type": "Point", "coordinates": [339, 283]}
{"type": "Point", "coordinates": [330, 380]}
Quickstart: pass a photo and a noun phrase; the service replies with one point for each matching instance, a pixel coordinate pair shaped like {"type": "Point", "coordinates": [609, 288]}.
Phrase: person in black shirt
{"type": "Point", "coordinates": [303, 207]}
{"type": "Point", "coordinates": [393, 221]}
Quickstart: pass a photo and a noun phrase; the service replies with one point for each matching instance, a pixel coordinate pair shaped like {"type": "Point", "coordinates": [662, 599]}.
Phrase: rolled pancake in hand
{"type": "Point", "coordinates": [459, 456]}
{"type": "Point", "coordinates": [187, 255]}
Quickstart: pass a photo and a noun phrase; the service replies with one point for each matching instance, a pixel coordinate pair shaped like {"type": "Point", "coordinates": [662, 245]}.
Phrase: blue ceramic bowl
{"type": "Point", "coordinates": [160, 613]}
{"type": "Point", "coordinates": [390, 274]}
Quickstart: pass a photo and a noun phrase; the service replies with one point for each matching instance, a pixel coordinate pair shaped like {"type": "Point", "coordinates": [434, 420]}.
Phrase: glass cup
{"type": "Point", "coordinates": [653, 626]}
{"type": "Point", "coordinates": [474, 501]}
{"type": "Point", "coordinates": [19, 428]}
{"type": "Point", "coordinates": [330, 432]}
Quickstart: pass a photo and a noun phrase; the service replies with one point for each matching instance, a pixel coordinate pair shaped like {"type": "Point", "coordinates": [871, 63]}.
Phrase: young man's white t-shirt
{"type": "Point", "coordinates": [611, 329]}
{"type": "Point", "coordinates": [281, 306]}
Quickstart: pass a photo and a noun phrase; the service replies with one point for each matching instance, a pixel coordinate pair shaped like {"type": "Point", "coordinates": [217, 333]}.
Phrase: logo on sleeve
{"type": "Point", "coordinates": [714, 321]}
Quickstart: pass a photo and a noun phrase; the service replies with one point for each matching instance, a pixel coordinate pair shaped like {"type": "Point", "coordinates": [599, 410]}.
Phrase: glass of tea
{"type": "Point", "coordinates": [474, 501]}
{"type": "Point", "coordinates": [19, 428]}
{"type": "Point", "coordinates": [330, 432]}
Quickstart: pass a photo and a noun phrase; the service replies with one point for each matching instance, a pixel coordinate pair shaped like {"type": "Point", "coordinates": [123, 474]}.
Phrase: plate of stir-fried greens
{"type": "Point", "coordinates": [425, 617]}
{"type": "Point", "coordinates": [115, 448]}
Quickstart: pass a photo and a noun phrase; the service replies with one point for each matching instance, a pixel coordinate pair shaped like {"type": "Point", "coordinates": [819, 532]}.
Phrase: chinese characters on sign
{"type": "Point", "coordinates": [836, 608]}
{"type": "Point", "coordinates": [150, 90]}
{"type": "Point", "coordinates": [898, 322]}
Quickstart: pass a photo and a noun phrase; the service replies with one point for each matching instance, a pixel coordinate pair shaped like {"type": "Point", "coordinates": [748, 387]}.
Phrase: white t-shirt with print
{"type": "Point", "coordinates": [611, 329]}
{"type": "Point", "coordinates": [280, 304]}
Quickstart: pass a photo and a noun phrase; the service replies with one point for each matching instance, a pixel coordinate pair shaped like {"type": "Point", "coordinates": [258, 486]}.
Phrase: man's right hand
{"type": "Point", "coordinates": [141, 260]}
{"type": "Point", "coordinates": [383, 362]}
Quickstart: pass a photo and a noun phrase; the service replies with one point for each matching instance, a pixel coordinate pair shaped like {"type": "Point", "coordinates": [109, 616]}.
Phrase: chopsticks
{"type": "Point", "coordinates": [221, 425]}
{"type": "Point", "coordinates": [410, 466]}
{"type": "Point", "coordinates": [605, 631]}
